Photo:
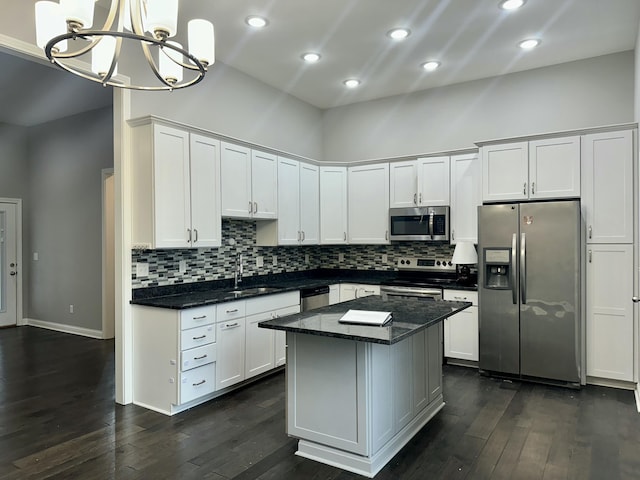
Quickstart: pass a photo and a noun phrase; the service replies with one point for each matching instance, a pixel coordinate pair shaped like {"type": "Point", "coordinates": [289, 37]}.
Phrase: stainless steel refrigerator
{"type": "Point", "coordinates": [529, 290]}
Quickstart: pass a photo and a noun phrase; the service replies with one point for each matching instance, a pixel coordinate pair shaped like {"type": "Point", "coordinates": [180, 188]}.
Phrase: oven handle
{"type": "Point", "coordinates": [414, 292]}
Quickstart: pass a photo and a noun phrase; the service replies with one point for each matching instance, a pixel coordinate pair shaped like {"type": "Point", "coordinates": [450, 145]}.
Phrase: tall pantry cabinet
{"type": "Point", "coordinates": [607, 207]}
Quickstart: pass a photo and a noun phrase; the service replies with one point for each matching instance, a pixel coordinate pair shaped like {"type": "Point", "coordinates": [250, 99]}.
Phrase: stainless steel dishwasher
{"type": "Point", "coordinates": [314, 297]}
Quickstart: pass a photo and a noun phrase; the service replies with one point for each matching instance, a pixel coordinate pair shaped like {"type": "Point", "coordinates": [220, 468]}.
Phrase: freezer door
{"type": "Point", "coordinates": [498, 307]}
{"type": "Point", "coordinates": [550, 290]}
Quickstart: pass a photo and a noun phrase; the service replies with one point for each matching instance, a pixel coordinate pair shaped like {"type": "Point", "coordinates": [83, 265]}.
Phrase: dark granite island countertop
{"type": "Point", "coordinates": [410, 315]}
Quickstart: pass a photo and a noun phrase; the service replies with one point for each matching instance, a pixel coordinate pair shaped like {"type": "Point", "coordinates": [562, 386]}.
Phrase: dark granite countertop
{"type": "Point", "coordinates": [188, 295]}
{"type": "Point", "coordinates": [410, 315]}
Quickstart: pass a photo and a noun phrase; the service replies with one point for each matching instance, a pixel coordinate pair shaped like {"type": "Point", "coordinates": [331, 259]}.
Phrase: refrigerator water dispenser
{"type": "Point", "coordinates": [497, 262]}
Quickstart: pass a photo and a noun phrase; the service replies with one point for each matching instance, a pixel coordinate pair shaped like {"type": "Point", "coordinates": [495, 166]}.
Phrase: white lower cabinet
{"type": "Point", "coordinates": [174, 357]}
{"type": "Point", "coordinates": [461, 329]}
{"type": "Point", "coordinates": [231, 348]}
{"type": "Point", "coordinates": [610, 311]}
{"type": "Point", "coordinates": [334, 294]}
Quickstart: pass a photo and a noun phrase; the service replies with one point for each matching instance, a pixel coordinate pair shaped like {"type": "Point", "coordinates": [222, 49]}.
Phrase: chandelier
{"type": "Point", "coordinates": [64, 31]}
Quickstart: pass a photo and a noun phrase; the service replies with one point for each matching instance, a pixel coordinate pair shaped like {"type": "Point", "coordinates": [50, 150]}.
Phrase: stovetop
{"type": "Point", "coordinates": [425, 273]}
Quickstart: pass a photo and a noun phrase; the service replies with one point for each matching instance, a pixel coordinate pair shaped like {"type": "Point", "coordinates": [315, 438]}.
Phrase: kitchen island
{"type": "Point", "coordinates": [357, 394]}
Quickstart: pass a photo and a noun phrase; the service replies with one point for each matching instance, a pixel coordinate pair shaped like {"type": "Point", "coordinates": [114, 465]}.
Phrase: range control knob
{"type": "Point", "coordinates": [438, 263]}
{"type": "Point", "coordinates": [450, 264]}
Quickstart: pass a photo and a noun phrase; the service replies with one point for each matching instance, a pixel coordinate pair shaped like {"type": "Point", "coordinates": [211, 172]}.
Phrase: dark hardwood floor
{"type": "Point", "coordinates": [58, 420]}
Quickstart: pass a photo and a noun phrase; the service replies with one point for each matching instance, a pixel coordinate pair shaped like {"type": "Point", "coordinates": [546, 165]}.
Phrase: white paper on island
{"type": "Point", "coordinates": [366, 317]}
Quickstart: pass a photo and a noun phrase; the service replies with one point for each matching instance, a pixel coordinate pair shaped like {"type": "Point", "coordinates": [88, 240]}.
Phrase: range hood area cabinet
{"type": "Point", "coordinates": [250, 187]}
{"type": "Point", "coordinates": [298, 207]}
{"type": "Point", "coordinates": [534, 170]}
{"type": "Point", "coordinates": [176, 202]}
{"type": "Point", "coordinates": [419, 183]}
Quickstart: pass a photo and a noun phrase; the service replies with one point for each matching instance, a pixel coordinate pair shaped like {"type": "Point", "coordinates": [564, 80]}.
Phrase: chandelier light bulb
{"type": "Point", "coordinates": [102, 56]}
{"type": "Point", "coordinates": [162, 18]}
{"type": "Point", "coordinates": [169, 69]}
{"type": "Point", "coordinates": [50, 23]}
{"type": "Point", "coordinates": [78, 13]}
{"type": "Point", "coordinates": [202, 40]}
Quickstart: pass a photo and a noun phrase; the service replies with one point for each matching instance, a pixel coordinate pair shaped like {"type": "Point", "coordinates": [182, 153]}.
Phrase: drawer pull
{"type": "Point", "coordinates": [200, 337]}
{"type": "Point", "coordinates": [232, 311]}
{"type": "Point", "coordinates": [199, 383]}
{"type": "Point", "coordinates": [229, 325]}
{"type": "Point", "coordinates": [460, 298]}
{"type": "Point", "coordinates": [200, 357]}
{"type": "Point", "coordinates": [199, 318]}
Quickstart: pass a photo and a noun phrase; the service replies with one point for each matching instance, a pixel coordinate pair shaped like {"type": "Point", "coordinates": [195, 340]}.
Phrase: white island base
{"type": "Point", "coordinates": [354, 404]}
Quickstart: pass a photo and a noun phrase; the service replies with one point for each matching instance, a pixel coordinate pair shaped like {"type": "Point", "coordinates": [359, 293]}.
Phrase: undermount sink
{"type": "Point", "coordinates": [254, 290]}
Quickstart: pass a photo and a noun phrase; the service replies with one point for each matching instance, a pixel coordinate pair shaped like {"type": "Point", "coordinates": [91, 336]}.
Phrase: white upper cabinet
{"type": "Point", "coordinates": [298, 206]}
{"type": "Point", "coordinates": [369, 204]}
{"type": "Point", "coordinates": [176, 194]}
{"type": "Point", "coordinates": [421, 182]}
{"type": "Point", "coordinates": [607, 186]}
{"type": "Point", "coordinates": [535, 170]}
{"type": "Point", "coordinates": [465, 197]}
{"type": "Point", "coordinates": [333, 205]}
{"type": "Point", "coordinates": [249, 182]}
{"type": "Point", "coordinates": [433, 181]}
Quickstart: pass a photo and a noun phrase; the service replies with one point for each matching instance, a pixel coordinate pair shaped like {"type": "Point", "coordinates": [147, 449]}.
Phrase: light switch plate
{"type": "Point", "coordinates": [259, 261]}
{"type": "Point", "coordinates": [340, 257]}
{"type": "Point", "coordinates": [182, 266]}
{"type": "Point", "coordinates": [385, 258]}
{"type": "Point", "coordinates": [275, 260]}
{"type": "Point", "coordinates": [142, 269]}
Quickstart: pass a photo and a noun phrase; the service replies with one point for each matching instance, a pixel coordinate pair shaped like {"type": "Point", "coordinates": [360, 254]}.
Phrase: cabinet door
{"type": "Point", "coordinates": [465, 198]}
{"type": "Point", "coordinates": [461, 335]}
{"type": "Point", "coordinates": [205, 191]}
{"type": "Point", "coordinates": [610, 311]}
{"type": "Point", "coordinates": [554, 168]}
{"type": "Point", "coordinates": [334, 294]}
{"type": "Point", "coordinates": [260, 346]}
{"type": "Point", "coordinates": [231, 347]}
{"type": "Point", "coordinates": [369, 204]}
{"type": "Point", "coordinates": [433, 181]}
{"type": "Point", "coordinates": [505, 172]}
{"type": "Point", "coordinates": [309, 204]}
{"type": "Point", "coordinates": [264, 184]}
{"type": "Point", "coordinates": [402, 366]}
{"type": "Point", "coordinates": [347, 292]}
{"type": "Point", "coordinates": [367, 290]}
{"type": "Point", "coordinates": [333, 205]}
{"type": "Point", "coordinates": [403, 187]}
{"type": "Point", "coordinates": [607, 187]}
{"type": "Point", "coordinates": [235, 176]}
{"type": "Point", "coordinates": [433, 340]}
{"type": "Point", "coordinates": [171, 187]}
{"type": "Point", "coordinates": [288, 205]}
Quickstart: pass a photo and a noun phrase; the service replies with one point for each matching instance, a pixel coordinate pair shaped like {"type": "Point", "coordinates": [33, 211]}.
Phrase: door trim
{"type": "Point", "coordinates": [108, 324]}
{"type": "Point", "coordinates": [22, 267]}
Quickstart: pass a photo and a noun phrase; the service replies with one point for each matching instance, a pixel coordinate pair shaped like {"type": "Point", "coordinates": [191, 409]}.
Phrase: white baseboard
{"type": "Point", "coordinates": [61, 327]}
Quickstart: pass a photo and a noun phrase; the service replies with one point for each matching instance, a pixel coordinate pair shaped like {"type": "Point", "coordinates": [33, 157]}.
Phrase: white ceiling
{"type": "Point", "coordinates": [472, 38]}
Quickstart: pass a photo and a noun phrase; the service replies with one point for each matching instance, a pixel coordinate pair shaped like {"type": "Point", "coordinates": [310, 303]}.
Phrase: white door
{"type": "Point", "coordinates": [309, 204]}
{"type": "Point", "coordinates": [505, 172]}
{"type": "Point", "coordinates": [8, 265]}
{"type": "Point", "coordinates": [554, 168]}
{"type": "Point", "coordinates": [369, 204]}
{"type": "Point", "coordinates": [403, 184]}
{"type": "Point", "coordinates": [205, 191]}
{"type": "Point", "coordinates": [333, 205]}
{"type": "Point", "coordinates": [465, 198]}
{"type": "Point", "coordinates": [288, 204]}
{"type": "Point", "coordinates": [264, 184]}
{"type": "Point", "coordinates": [433, 181]}
{"type": "Point", "coordinates": [235, 178]}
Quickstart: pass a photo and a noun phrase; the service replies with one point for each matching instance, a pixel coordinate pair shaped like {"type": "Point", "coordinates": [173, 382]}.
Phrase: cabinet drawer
{"type": "Point", "coordinates": [195, 317]}
{"type": "Point", "coordinates": [197, 382]}
{"type": "Point", "coordinates": [195, 357]}
{"type": "Point", "coordinates": [195, 337]}
{"type": "Point", "coordinates": [230, 310]}
{"type": "Point", "coordinates": [267, 303]}
{"type": "Point", "coordinates": [461, 296]}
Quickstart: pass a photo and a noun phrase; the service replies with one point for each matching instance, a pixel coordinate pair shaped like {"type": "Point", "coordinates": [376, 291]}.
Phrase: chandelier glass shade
{"type": "Point", "coordinates": [64, 30]}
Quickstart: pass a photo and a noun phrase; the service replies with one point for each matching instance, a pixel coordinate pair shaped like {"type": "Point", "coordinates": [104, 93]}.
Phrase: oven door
{"type": "Point", "coordinates": [394, 291]}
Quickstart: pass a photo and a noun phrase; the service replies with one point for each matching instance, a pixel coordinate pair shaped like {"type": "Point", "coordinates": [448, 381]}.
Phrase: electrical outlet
{"type": "Point", "coordinates": [306, 258]}
{"type": "Point", "coordinates": [340, 257]}
{"type": "Point", "coordinates": [275, 260]}
{"type": "Point", "coordinates": [70, 308]}
{"type": "Point", "coordinates": [142, 269]}
{"type": "Point", "coordinates": [182, 266]}
{"type": "Point", "coordinates": [385, 258]}
{"type": "Point", "coordinates": [259, 261]}
{"type": "Point", "coordinates": [36, 257]}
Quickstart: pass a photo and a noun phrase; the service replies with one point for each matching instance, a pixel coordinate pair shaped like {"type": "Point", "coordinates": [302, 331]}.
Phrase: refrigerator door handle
{"type": "Point", "coordinates": [514, 290]}
{"type": "Point", "coordinates": [523, 268]}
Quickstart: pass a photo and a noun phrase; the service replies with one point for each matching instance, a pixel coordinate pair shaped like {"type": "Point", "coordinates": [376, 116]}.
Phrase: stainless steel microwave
{"type": "Point", "coordinates": [419, 223]}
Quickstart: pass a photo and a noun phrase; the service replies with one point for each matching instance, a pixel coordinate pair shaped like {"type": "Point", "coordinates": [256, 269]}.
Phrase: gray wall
{"type": "Point", "coordinates": [234, 104]}
{"type": "Point", "coordinates": [585, 93]}
{"type": "Point", "coordinates": [14, 183]}
{"type": "Point", "coordinates": [637, 77]}
{"type": "Point", "coordinates": [66, 158]}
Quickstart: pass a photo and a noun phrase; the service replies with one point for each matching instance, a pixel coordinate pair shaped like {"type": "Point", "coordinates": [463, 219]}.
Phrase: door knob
{"type": "Point", "coordinates": [635, 299]}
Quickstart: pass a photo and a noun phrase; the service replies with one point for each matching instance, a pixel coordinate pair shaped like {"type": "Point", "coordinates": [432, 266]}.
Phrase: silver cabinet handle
{"type": "Point", "coordinates": [345, 236]}
{"type": "Point", "coordinates": [431, 215]}
{"type": "Point", "coordinates": [232, 311]}
{"type": "Point", "coordinates": [299, 239]}
{"type": "Point", "coordinates": [250, 207]}
{"type": "Point", "coordinates": [200, 337]}
{"type": "Point", "coordinates": [590, 231]}
{"type": "Point", "coordinates": [590, 256]}
{"type": "Point", "coordinates": [199, 318]}
{"type": "Point", "coordinates": [514, 291]}
{"type": "Point", "coordinates": [195, 231]}
{"type": "Point", "coordinates": [533, 188]}
{"type": "Point", "coordinates": [197, 384]}
{"type": "Point", "coordinates": [460, 298]}
{"type": "Point", "coordinates": [524, 188]}
{"type": "Point", "coordinates": [415, 198]}
{"type": "Point", "coordinates": [230, 325]}
{"type": "Point", "coordinates": [635, 299]}
{"type": "Point", "coordinates": [420, 198]}
{"type": "Point", "coordinates": [386, 235]}
{"type": "Point", "coordinates": [303, 236]}
{"type": "Point", "coordinates": [201, 357]}
{"type": "Point", "coordinates": [189, 235]}
{"type": "Point", "coordinates": [453, 234]}
{"type": "Point", "coordinates": [523, 268]}
{"type": "Point", "coordinates": [255, 207]}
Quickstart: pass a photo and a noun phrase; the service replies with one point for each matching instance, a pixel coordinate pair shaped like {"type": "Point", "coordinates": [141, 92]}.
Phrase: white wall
{"type": "Point", "coordinates": [66, 158]}
{"type": "Point", "coordinates": [585, 93]}
{"type": "Point", "coordinates": [637, 77]}
{"type": "Point", "coordinates": [234, 104]}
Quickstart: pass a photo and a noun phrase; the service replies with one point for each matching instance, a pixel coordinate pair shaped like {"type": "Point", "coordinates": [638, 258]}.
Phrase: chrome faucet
{"type": "Point", "coordinates": [237, 278]}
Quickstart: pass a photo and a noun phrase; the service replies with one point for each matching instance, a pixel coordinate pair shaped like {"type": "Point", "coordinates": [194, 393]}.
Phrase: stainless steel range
{"type": "Point", "coordinates": [420, 277]}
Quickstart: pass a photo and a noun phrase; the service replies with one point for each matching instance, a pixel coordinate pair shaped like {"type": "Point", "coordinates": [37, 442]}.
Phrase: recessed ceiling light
{"type": "Point", "coordinates": [431, 65]}
{"type": "Point", "coordinates": [311, 57]}
{"type": "Point", "coordinates": [511, 4]}
{"type": "Point", "coordinates": [256, 22]}
{"type": "Point", "coordinates": [399, 33]}
{"type": "Point", "coordinates": [352, 83]}
{"type": "Point", "coordinates": [529, 43]}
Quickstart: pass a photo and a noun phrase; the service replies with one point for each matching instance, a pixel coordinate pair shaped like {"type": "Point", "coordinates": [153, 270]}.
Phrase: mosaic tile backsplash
{"type": "Point", "coordinates": [239, 237]}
